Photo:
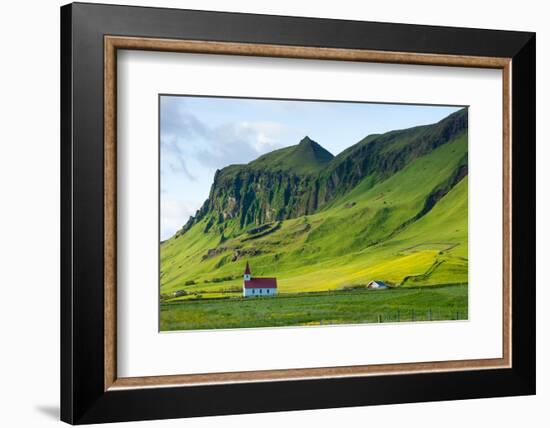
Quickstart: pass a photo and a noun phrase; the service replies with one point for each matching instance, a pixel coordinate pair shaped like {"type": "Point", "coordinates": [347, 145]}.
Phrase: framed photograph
{"type": "Point", "coordinates": [266, 213]}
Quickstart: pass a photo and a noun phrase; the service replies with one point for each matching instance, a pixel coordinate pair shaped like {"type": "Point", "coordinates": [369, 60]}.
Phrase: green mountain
{"type": "Point", "coordinates": [272, 187]}
{"type": "Point", "coordinates": [392, 207]}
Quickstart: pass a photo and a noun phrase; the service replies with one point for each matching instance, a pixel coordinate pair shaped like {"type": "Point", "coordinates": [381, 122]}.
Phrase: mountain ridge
{"type": "Point", "coordinates": [304, 178]}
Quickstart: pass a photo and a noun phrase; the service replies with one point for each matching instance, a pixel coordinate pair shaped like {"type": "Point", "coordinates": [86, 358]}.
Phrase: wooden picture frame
{"type": "Point", "coordinates": [91, 390]}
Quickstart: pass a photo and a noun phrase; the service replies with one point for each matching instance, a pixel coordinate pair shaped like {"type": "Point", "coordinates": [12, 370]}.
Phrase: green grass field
{"type": "Point", "coordinates": [449, 302]}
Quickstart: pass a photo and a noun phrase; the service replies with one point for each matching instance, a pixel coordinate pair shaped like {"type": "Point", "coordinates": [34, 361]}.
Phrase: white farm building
{"type": "Point", "coordinates": [379, 285]}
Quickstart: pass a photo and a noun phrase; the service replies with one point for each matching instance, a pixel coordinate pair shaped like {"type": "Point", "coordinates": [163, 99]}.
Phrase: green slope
{"type": "Point", "coordinates": [409, 228]}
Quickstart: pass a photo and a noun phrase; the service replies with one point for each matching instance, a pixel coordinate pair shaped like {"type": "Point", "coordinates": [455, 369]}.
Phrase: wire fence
{"type": "Point", "coordinates": [405, 315]}
{"type": "Point", "coordinates": [412, 315]}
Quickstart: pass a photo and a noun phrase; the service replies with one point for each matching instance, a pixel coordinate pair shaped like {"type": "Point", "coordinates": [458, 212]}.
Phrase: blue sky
{"type": "Point", "coordinates": [201, 134]}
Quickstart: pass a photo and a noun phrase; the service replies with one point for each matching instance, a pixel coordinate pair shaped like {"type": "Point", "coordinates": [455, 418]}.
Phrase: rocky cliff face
{"type": "Point", "coordinates": [301, 179]}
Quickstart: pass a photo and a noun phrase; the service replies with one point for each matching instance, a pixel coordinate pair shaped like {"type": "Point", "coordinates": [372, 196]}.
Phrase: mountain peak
{"type": "Point", "coordinates": [306, 157]}
{"type": "Point", "coordinates": [311, 151]}
{"type": "Point", "coordinates": [306, 140]}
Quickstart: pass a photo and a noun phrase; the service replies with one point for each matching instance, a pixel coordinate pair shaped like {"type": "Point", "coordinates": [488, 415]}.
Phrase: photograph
{"type": "Point", "coordinates": [277, 212]}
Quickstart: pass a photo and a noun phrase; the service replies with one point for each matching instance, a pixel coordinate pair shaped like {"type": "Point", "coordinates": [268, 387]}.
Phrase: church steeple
{"type": "Point", "coordinates": [247, 272]}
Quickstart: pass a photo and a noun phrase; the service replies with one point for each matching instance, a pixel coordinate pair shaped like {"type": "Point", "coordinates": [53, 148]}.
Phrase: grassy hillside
{"type": "Point", "coordinates": [409, 229]}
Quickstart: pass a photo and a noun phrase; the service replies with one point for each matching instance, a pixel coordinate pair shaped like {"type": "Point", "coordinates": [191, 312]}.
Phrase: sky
{"type": "Point", "coordinates": [199, 135]}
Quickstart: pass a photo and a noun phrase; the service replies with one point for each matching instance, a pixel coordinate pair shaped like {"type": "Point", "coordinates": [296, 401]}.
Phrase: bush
{"type": "Point", "coordinates": [352, 287]}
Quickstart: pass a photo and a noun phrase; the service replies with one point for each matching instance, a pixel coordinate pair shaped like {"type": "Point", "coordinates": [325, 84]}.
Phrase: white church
{"type": "Point", "coordinates": [258, 287]}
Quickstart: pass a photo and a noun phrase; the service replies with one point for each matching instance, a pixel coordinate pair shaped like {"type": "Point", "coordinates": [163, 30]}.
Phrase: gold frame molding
{"type": "Point", "coordinates": [113, 43]}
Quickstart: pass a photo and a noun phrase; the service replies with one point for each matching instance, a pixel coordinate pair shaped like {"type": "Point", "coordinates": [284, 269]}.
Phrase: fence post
{"type": "Point", "coordinates": [379, 318]}
{"type": "Point", "coordinates": [457, 315]}
{"type": "Point", "coordinates": [398, 315]}
{"type": "Point", "coordinates": [412, 316]}
{"type": "Point", "coordinates": [430, 314]}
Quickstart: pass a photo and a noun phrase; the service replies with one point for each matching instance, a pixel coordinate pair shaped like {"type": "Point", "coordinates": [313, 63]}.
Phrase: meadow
{"type": "Point", "coordinates": [446, 302]}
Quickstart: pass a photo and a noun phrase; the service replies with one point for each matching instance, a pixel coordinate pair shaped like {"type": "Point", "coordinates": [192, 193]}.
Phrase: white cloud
{"type": "Point", "coordinates": [240, 142]}
{"type": "Point", "coordinates": [263, 136]}
{"type": "Point", "coordinates": [173, 157]}
{"type": "Point", "coordinates": [184, 137]}
{"type": "Point", "coordinates": [174, 213]}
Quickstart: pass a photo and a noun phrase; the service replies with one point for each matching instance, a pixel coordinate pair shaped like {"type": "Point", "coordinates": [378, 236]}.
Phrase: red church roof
{"type": "Point", "coordinates": [247, 270]}
{"type": "Point", "coordinates": [261, 283]}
